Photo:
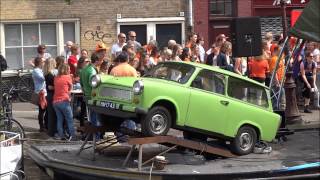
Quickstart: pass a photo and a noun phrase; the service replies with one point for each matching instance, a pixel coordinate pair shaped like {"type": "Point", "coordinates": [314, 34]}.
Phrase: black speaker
{"type": "Point", "coordinates": [246, 37]}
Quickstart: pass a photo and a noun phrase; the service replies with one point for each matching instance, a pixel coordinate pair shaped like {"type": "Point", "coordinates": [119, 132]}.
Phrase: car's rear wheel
{"type": "Point", "coordinates": [245, 140]}
{"type": "Point", "coordinates": [157, 122]}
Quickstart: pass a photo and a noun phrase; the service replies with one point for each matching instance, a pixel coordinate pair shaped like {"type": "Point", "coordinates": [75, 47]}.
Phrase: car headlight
{"type": "Point", "coordinates": [95, 81]}
{"type": "Point", "coordinates": [138, 87]}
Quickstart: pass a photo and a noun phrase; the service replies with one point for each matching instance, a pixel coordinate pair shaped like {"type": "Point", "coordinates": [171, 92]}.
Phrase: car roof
{"type": "Point", "coordinates": [217, 69]}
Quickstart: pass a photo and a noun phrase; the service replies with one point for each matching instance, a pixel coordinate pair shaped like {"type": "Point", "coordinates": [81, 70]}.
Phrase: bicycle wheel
{"type": "Point", "coordinates": [12, 126]}
{"type": "Point", "coordinates": [5, 86]}
{"type": "Point", "coordinates": [25, 88]}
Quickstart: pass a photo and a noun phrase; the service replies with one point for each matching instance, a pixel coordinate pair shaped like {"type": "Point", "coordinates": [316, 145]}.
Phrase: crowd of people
{"type": "Point", "coordinates": [54, 78]}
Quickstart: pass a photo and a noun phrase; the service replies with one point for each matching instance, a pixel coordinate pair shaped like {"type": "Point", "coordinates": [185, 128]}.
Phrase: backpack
{"type": "Point", "coordinates": [3, 63]}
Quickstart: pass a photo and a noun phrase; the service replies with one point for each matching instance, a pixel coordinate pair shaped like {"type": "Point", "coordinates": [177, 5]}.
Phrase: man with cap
{"type": "Point", "coordinates": [220, 39]}
{"type": "Point", "coordinates": [101, 52]}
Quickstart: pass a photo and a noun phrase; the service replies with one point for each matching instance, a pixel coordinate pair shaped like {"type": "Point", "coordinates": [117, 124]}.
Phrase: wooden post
{"type": "Point", "coordinates": [140, 157]}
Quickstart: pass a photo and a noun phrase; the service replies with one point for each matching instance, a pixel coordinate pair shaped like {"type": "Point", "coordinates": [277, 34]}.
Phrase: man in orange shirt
{"type": "Point", "coordinates": [273, 62]}
{"type": "Point", "coordinates": [123, 68]}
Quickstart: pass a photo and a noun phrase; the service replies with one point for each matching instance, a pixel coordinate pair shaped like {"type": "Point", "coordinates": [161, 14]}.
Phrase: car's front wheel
{"type": "Point", "coordinates": [245, 140]}
{"type": "Point", "coordinates": [157, 122]}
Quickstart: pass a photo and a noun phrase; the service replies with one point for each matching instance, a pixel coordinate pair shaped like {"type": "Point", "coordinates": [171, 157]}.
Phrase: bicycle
{"type": "Point", "coordinates": [7, 123]}
{"type": "Point", "coordinates": [23, 87]}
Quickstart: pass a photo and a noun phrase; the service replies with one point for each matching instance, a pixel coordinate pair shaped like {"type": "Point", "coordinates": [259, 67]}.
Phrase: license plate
{"type": "Point", "coordinates": [109, 105]}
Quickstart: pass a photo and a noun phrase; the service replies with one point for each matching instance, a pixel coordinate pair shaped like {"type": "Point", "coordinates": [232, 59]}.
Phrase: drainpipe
{"type": "Point", "coordinates": [190, 15]}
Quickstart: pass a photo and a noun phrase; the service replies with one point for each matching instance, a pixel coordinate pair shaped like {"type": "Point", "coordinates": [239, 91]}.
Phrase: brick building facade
{"type": "Point", "coordinates": [26, 23]}
{"type": "Point", "coordinates": [212, 17]}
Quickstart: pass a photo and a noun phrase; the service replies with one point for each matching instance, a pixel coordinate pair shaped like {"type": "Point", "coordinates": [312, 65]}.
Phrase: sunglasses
{"type": "Point", "coordinates": [123, 37]}
{"type": "Point", "coordinates": [133, 36]}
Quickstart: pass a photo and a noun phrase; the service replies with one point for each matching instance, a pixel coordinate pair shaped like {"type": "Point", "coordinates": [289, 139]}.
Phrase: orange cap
{"type": "Point", "coordinates": [101, 46]}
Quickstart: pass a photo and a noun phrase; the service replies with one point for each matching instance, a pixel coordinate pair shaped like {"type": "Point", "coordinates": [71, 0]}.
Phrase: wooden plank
{"type": "Point", "coordinates": [200, 146]}
{"type": "Point", "coordinates": [148, 140]}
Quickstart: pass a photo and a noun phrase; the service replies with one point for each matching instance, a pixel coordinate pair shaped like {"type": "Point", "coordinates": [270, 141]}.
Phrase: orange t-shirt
{"type": "Point", "coordinates": [188, 45]}
{"type": "Point", "coordinates": [259, 68]}
{"type": "Point", "coordinates": [272, 65]}
{"type": "Point", "coordinates": [62, 88]}
{"type": "Point", "coordinates": [124, 69]}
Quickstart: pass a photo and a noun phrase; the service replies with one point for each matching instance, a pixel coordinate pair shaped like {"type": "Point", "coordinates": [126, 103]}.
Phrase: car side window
{"type": "Point", "coordinates": [209, 81]}
{"type": "Point", "coordinates": [248, 92]}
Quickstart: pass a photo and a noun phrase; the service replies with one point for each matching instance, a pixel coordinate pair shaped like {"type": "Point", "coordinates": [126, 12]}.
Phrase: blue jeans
{"type": "Point", "coordinates": [95, 120]}
{"type": "Point", "coordinates": [63, 111]}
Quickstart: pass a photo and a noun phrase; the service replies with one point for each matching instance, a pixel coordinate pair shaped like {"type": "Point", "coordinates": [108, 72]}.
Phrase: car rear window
{"type": "Point", "coordinates": [248, 92]}
{"type": "Point", "coordinates": [176, 72]}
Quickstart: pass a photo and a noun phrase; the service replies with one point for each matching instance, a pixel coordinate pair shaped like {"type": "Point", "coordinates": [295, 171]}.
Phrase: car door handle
{"type": "Point", "coordinates": [224, 102]}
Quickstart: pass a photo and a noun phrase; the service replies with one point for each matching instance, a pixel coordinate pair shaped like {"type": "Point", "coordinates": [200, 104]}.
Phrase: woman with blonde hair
{"type": "Point", "coordinates": [61, 101]}
{"type": "Point", "coordinates": [50, 71]}
{"type": "Point", "coordinates": [224, 59]}
{"type": "Point", "coordinates": [176, 52]}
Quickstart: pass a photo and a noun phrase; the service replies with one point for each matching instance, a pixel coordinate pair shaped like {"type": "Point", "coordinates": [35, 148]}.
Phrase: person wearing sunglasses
{"type": "Point", "coordinates": [116, 48]}
{"type": "Point", "coordinates": [308, 76]}
{"type": "Point", "coordinates": [133, 39]}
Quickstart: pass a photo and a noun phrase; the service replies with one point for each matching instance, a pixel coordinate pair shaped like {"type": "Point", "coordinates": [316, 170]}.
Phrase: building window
{"type": "Point", "coordinates": [68, 32]}
{"type": "Point", "coordinates": [141, 31]}
{"type": "Point", "coordinates": [222, 7]}
{"type": "Point", "coordinates": [159, 29]}
{"type": "Point", "coordinates": [22, 40]}
{"type": "Point", "coordinates": [165, 32]}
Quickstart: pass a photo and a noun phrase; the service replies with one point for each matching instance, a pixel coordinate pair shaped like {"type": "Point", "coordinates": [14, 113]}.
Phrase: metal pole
{"type": "Point", "coordinates": [0, 88]}
{"type": "Point", "coordinates": [284, 18]}
{"type": "Point", "coordinates": [277, 64]}
{"type": "Point", "coordinates": [286, 69]}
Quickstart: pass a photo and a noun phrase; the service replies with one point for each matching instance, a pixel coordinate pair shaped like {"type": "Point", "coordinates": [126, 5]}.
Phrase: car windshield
{"type": "Point", "coordinates": [171, 71]}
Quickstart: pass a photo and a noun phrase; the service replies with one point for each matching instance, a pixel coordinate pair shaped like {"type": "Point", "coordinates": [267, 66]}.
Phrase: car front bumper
{"type": "Point", "coordinates": [121, 111]}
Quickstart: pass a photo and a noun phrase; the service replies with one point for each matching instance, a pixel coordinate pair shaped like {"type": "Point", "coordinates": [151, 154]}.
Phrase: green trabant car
{"type": "Point", "coordinates": [198, 99]}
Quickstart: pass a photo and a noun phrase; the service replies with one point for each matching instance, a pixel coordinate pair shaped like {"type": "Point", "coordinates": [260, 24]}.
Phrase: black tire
{"type": "Point", "coordinates": [245, 141]}
{"type": "Point", "coordinates": [12, 126]}
{"type": "Point", "coordinates": [25, 88]}
{"type": "Point", "coordinates": [157, 122]}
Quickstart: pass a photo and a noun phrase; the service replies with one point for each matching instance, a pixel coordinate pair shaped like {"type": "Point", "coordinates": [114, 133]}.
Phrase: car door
{"type": "Point", "coordinates": [249, 104]}
{"type": "Point", "coordinates": [208, 105]}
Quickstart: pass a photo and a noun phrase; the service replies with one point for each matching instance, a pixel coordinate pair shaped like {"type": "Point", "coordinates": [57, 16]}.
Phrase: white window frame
{"type": "Point", "coordinates": [151, 25]}
{"type": "Point", "coordinates": [59, 32]}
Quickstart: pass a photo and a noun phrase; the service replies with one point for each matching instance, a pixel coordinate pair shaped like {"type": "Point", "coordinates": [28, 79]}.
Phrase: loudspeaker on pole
{"type": "Point", "coordinates": [246, 37]}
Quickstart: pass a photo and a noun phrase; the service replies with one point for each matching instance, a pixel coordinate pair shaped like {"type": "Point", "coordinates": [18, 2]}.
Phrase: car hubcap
{"type": "Point", "coordinates": [246, 141]}
{"type": "Point", "coordinates": [158, 123]}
